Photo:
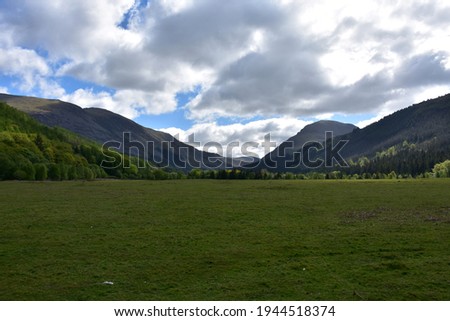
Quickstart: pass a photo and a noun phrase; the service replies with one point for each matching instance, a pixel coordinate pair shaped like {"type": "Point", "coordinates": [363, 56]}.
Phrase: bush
{"type": "Point", "coordinates": [20, 175]}
{"type": "Point", "coordinates": [88, 174]}
{"type": "Point", "coordinates": [442, 169]}
{"type": "Point", "coordinates": [28, 169]}
{"type": "Point", "coordinates": [41, 172]}
{"type": "Point", "coordinates": [54, 172]}
{"type": "Point", "coordinates": [7, 167]}
{"type": "Point", "coordinates": [392, 175]}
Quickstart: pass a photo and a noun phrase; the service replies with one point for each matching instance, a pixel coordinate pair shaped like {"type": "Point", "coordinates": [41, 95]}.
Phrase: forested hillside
{"type": "Point", "coordinates": [426, 125]}
{"type": "Point", "coordinates": [409, 142]}
{"type": "Point", "coordinates": [101, 126]}
{"type": "Point", "coordinates": [32, 151]}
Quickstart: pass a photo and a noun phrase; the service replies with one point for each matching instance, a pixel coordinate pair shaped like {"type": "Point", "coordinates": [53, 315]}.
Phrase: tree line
{"type": "Point", "coordinates": [440, 170]}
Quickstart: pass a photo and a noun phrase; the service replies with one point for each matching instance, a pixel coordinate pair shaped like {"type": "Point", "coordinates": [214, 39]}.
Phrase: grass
{"type": "Point", "coordinates": [225, 240]}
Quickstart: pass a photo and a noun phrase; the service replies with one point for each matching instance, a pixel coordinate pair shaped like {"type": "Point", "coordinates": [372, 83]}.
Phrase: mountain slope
{"type": "Point", "coordinates": [104, 126]}
{"type": "Point", "coordinates": [313, 133]}
{"type": "Point", "coordinates": [420, 124]}
{"type": "Point", "coordinates": [280, 158]}
{"type": "Point", "coordinates": [409, 141]}
{"type": "Point", "coordinates": [30, 150]}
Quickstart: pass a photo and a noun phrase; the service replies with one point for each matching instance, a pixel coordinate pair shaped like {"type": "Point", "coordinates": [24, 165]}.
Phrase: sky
{"type": "Point", "coordinates": [231, 70]}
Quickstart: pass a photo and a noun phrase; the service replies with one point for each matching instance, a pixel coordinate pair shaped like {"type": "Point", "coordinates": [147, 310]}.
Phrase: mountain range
{"type": "Point", "coordinates": [422, 127]}
{"type": "Point", "coordinates": [419, 130]}
{"type": "Point", "coordinates": [113, 130]}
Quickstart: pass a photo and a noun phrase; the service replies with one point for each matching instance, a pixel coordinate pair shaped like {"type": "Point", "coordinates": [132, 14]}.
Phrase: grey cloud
{"type": "Point", "coordinates": [431, 12]}
{"type": "Point", "coordinates": [275, 81]}
{"type": "Point", "coordinates": [260, 83]}
{"type": "Point", "coordinates": [423, 70]}
{"type": "Point", "coordinates": [287, 77]}
{"type": "Point", "coordinates": [208, 35]}
{"type": "Point", "coordinates": [399, 40]}
{"type": "Point", "coordinates": [124, 69]}
{"type": "Point", "coordinates": [137, 70]}
{"type": "Point", "coordinates": [371, 92]}
{"type": "Point", "coordinates": [283, 77]}
{"type": "Point", "coordinates": [210, 31]}
{"type": "Point", "coordinates": [62, 28]}
{"type": "Point", "coordinates": [365, 96]}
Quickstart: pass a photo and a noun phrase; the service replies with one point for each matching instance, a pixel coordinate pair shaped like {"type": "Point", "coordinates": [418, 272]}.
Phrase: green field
{"type": "Point", "coordinates": [225, 240]}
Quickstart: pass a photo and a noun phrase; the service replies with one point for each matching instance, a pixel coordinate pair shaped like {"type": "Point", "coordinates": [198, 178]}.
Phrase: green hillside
{"type": "Point", "coordinates": [100, 125]}
{"type": "Point", "coordinates": [32, 151]}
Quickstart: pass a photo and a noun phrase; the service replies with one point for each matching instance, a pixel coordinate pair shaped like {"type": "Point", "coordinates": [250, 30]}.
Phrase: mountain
{"type": "Point", "coordinates": [420, 124]}
{"type": "Point", "coordinates": [30, 150]}
{"type": "Point", "coordinates": [281, 157]}
{"type": "Point", "coordinates": [118, 133]}
{"type": "Point", "coordinates": [316, 132]}
{"type": "Point", "coordinates": [409, 141]}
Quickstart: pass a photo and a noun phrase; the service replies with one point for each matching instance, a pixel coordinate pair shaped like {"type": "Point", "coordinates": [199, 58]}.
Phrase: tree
{"type": "Point", "coordinates": [160, 174]}
{"type": "Point", "coordinates": [88, 174]}
{"type": "Point", "coordinates": [442, 169]}
{"type": "Point", "coordinates": [392, 175]}
{"type": "Point", "coordinates": [39, 142]}
{"type": "Point", "coordinates": [54, 172]}
{"type": "Point", "coordinates": [25, 171]}
{"type": "Point", "coordinates": [195, 173]}
{"type": "Point", "coordinates": [7, 166]}
{"type": "Point", "coordinates": [41, 172]}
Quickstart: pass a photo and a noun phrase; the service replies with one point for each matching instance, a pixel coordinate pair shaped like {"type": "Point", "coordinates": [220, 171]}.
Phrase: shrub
{"type": "Point", "coordinates": [41, 172]}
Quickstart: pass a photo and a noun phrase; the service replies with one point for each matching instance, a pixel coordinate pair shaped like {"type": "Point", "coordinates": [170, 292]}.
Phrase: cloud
{"type": "Point", "coordinates": [79, 30]}
{"type": "Point", "coordinates": [253, 132]}
{"type": "Point", "coordinates": [404, 98]}
{"type": "Point", "coordinates": [353, 62]}
{"type": "Point", "coordinates": [23, 63]}
{"type": "Point", "coordinates": [210, 34]}
{"type": "Point", "coordinates": [429, 12]}
{"type": "Point", "coordinates": [129, 103]}
{"type": "Point", "coordinates": [424, 69]}
{"type": "Point", "coordinates": [326, 116]}
{"type": "Point", "coordinates": [267, 58]}
{"type": "Point", "coordinates": [259, 84]}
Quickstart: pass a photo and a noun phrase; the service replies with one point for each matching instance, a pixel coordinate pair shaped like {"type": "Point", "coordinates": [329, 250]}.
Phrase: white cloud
{"type": "Point", "coordinates": [87, 98]}
{"type": "Point", "coordinates": [367, 122]}
{"type": "Point", "coordinates": [267, 58]}
{"type": "Point", "coordinates": [50, 88]}
{"type": "Point", "coordinates": [328, 57]}
{"type": "Point", "coordinates": [174, 6]}
{"type": "Point", "coordinates": [253, 132]}
{"type": "Point", "coordinates": [80, 30]}
{"type": "Point", "coordinates": [23, 63]}
{"type": "Point", "coordinates": [129, 103]}
{"type": "Point", "coordinates": [431, 92]}
{"type": "Point", "coordinates": [326, 116]}
{"type": "Point", "coordinates": [405, 99]}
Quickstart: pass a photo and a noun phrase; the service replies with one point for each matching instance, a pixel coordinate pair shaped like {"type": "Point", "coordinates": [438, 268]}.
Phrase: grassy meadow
{"type": "Point", "coordinates": [225, 240]}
